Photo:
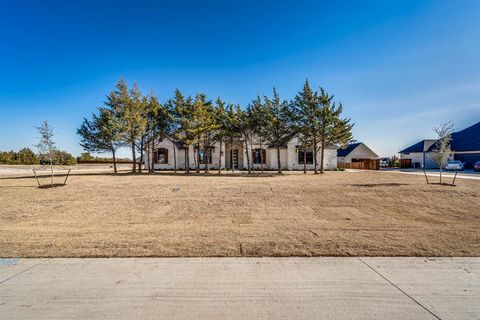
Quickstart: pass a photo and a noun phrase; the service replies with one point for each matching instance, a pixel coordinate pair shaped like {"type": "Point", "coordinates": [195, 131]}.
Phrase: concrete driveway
{"type": "Point", "coordinates": [240, 288]}
{"type": "Point", "coordinates": [447, 175]}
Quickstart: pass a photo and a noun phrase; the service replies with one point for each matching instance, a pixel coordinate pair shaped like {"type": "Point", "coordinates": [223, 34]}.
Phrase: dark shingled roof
{"type": "Point", "coordinates": [465, 140]}
{"type": "Point", "coordinates": [347, 150]}
{"type": "Point", "coordinates": [417, 147]}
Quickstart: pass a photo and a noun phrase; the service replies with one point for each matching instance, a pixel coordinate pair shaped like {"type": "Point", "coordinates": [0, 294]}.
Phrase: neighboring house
{"type": "Point", "coordinates": [356, 152]}
{"type": "Point", "coordinates": [465, 147]}
{"type": "Point", "coordinates": [166, 154]}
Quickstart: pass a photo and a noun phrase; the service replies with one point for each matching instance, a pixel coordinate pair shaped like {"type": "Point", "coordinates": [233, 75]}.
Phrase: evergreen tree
{"type": "Point", "coordinates": [258, 115]}
{"type": "Point", "coordinates": [184, 119]}
{"type": "Point", "coordinates": [128, 107]}
{"type": "Point", "coordinates": [246, 130]}
{"type": "Point", "coordinates": [280, 127]}
{"type": "Point", "coordinates": [159, 122]}
{"type": "Point", "coordinates": [7, 157]}
{"type": "Point", "coordinates": [221, 131]}
{"type": "Point", "coordinates": [307, 109]}
{"type": "Point", "coordinates": [208, 129]}
{"type": "Point", "coordinates": [199, 127]}
{"type": "Point", "coordinates": [101, 134]}
{"type": "Point", "coordinates": [333, 129]}
{"type": "Point", "coordinates": [156, 121]}
{"type": "Point", "coordinates": [173, 129]}
{"type": "Point", "coordinates": [231, 127]}
{"type": "Point", "coordinates": [26, 156]}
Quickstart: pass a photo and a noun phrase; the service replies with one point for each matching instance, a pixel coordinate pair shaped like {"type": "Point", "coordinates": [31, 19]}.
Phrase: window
{"type": "Point", "coordinates": [309, 156]}
{"type": "Point", "coordinates": [205, 157]}
{"type": "Point", "coordinates": [259, 155]}
{"type": "Point", "coordinates": [162, 156]}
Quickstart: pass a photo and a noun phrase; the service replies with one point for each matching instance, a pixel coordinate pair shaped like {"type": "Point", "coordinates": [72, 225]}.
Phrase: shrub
{"type": "Point", "coordinates": [394, 161]}
{"type": "Point", "coordinates": [24, 156]}
{"type": "Point", "coordinates": [59, 158]}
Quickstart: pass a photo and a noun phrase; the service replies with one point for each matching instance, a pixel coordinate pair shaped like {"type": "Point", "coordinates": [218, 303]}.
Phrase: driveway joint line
{"type": "Point", "coordinates": [398, 288]}
{"type": "Point", "coordinates": [19, 273]}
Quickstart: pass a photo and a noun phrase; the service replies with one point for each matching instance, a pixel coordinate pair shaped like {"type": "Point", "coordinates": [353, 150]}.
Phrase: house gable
{"type": "Point", "coordinates": [357, 150]}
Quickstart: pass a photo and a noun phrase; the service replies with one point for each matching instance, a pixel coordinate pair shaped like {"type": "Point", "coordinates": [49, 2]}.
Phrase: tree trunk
{"type": "Point", "coordinates": [51, 169]}
{"type": "Point", "coordinates": [278, 160]}
{"type": "Point", "coordinates": [231, 156]}
{"type": "Point", "coordinates": [147, 154]}
{"type": "Point", "coordinates": [134, 167]}
{"type": "Point", "coordinates": [304, 161]}
{"type": "Point", "coordinates": [322, 156]}
{"type": "Point", "coordinates": [220, 159]}
{"type": "Point", "coordinates": [440, 174]}
{"type": "Point", "coordinates": [248, 158]}
{"type": "Point", "coordinates": [150, 157]}
{"type": "Point", "coordinates": [261, 155]}
{"type": "Point", "coordinates": [198, 159]}
{"type": "Point", "coordinates": [187, 160]}
{"type": "Point", "coordinates": [141, 155]}
{"type": "Point", "coordinates": [207, 165]}
{"type": "Point", "coordinates": [114, 161]}
{"type": "Point", "coordinates": [174, 157]}
{"type": "Point", "coordinates": [251, 150]}
{"type": "Point", "coordinates": [315, 163]}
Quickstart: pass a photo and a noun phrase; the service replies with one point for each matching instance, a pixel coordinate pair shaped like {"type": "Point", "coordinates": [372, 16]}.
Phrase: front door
{"type": "Point", "coordinates": [234, 157]}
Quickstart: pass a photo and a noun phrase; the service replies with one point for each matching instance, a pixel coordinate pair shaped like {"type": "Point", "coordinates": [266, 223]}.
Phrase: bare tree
{"type": "Point", "coordinates": [46, 145]}
{"type": "Point", "coordinates": [441, 151]}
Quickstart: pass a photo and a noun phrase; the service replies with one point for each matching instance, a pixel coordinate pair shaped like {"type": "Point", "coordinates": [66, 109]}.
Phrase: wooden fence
{"type": "Point", "coordinates": [366, 164]}
{"type": "Point", "coordinates": [121, 161]}
{"type": "Point", "coordinates": [405, 163]}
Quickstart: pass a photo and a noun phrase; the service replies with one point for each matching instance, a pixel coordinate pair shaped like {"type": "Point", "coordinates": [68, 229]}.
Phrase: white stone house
{"type": "Point", "coordinates": [166, 156]}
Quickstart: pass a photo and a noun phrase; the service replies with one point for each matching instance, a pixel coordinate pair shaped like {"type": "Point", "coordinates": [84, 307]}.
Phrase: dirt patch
{"type": "Point", "coordinates": [162, 214]}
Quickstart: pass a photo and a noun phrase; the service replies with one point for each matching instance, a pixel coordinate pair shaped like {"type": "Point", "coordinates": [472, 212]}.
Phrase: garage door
{"type": "Point", "coordinates": [469, 159]}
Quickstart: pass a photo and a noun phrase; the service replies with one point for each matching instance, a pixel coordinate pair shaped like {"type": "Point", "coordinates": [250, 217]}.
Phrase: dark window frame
{"type": "Point", "coordinates": [161, 159]}
{"type": "Point", "coordinates": [309, 156]}
{"type": "Point", "coordinates": [257, 156]}
{"type": "Point", "coordinates": [209, 155]}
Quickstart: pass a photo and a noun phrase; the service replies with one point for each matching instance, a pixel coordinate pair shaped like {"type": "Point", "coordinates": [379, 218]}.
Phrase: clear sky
{"type": "Point", "coordinates": [399, 67]}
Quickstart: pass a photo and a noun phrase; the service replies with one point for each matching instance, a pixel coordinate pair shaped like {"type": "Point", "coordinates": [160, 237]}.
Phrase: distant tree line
{"type": "Point", "coordinates": [86, 157]}
{"type": "Point", "coordinates": [130, 119]}
{"type": "Point", "coordinates": [26, 156]}
{"type": "Point", "coordinates": [48, 153]}
{"type": "Point", "coordinates": [23, 156]}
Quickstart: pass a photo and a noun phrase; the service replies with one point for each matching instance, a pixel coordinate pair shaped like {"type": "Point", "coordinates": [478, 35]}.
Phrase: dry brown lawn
{"type": "Point", "coordinates": [339, 214]}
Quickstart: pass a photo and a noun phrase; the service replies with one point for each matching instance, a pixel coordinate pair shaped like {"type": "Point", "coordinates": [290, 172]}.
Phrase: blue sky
{"type": "Point", "coordinates": [399, 67]}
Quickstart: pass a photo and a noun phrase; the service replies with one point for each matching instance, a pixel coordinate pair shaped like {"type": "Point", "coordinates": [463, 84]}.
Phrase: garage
{"type": "Point", "coordinates": [468, 158]}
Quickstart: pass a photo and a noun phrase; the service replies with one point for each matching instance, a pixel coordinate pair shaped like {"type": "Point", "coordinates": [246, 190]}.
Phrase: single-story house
{"type": "Point", "coordinates": [167, 155]}
{"type": "Point", "coordinates": [465, 146]}
{"type": "Point", "coordinates": [356, 152]}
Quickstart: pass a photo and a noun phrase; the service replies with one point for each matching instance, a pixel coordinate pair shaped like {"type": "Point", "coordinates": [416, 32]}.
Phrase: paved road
{"type": "Point", "coordinates": [240, 288]}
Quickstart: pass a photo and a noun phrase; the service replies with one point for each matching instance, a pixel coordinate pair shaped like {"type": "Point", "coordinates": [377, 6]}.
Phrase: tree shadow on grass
{"type": "Point", "coordinates": [443, 184]}
{"type": "Point", "coordinates": [7, 187]}
{"type": "Point", "coordinates": [370, 185]}
{"type": "Point", "coordinates": [49, 186]}
{"type": "Point", "coordinates": [155, 174]}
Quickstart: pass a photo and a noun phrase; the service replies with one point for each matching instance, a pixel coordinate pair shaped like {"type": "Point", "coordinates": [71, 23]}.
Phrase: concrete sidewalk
{"type": "Point", "coordinates": [240, 288]}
